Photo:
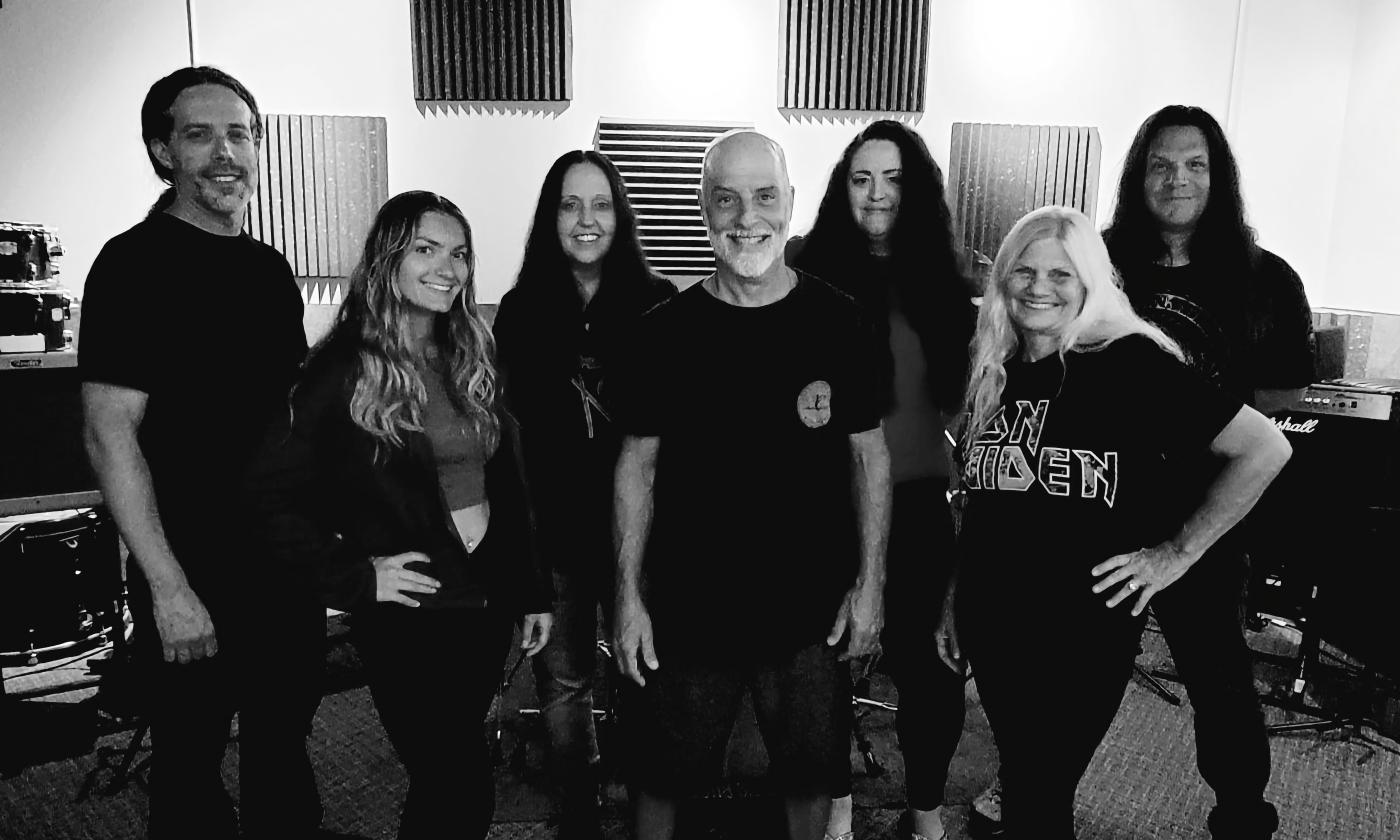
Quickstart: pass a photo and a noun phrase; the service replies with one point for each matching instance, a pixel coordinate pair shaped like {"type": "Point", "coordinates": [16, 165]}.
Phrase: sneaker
{"type": "Point", "coordinates": [984, 820]}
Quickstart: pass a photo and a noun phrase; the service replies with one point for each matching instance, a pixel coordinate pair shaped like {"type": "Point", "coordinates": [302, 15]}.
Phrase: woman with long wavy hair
{"type": "Point", "coordinates": [1075, 427]}
{"type": "Point", "coordinates": [395, 486]}
{"type": "Point", "coordinates": [883, 235]}
{"type": "Point", "coordinates": [583, 283]}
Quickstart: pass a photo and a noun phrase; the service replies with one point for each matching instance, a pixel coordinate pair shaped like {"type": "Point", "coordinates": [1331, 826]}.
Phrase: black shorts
{"type": "Point", "coordinates": [679, 723]}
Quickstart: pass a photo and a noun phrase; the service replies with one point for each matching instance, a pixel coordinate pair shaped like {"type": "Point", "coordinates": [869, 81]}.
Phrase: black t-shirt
{"type": "Point", "coordinates": [1244, 333]}
{"type": "Point", "coordinates": [754, 538]}
{"type": "Point", "coordinates": [1073, 471]}
{"type": "Point", "coordinates": [209, 328]}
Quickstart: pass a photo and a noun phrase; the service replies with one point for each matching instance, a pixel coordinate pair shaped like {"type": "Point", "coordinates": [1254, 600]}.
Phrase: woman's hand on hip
{"type": "Point", "coordinates": [393, 582]}
{"type": "Point", "coordinates": [534, 632]}
{"type": "Point", "coordinates": [1145, 572]}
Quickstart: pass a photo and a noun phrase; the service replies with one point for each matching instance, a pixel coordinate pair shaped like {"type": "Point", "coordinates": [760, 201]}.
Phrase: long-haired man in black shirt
{"type": "Point", "coordinates": [1190, 263]}
{"type": "Point", "coordinates": [169, 430]}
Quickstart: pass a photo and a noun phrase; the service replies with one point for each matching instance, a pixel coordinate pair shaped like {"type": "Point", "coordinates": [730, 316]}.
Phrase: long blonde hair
{"type": "Point", "coordinates": [1104, 317]}
{"type": "Point", "coordinates": [390, 396]}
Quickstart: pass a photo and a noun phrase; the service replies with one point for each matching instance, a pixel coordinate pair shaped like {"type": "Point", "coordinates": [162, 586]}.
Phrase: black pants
{"type": "Point", "coordinates": [931, 706]}
{"type": "Point", "coordinates": [432, 674]}
{"type": "Point", "coordinates": [1202, 618]}
{"type": "Point", "coordinates": [1051, 668]}
{"type": "Point", "coordinates": [269, 666]}
{"type": "Point", "coordinates": [282, 661]}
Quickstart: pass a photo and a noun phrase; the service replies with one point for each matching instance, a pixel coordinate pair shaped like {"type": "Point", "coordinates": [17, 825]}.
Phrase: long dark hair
{"type": "Point", "coordinates": [925, 267]}
{"type": "Point", "coordinates": [157, 122]}
{"type": "Point", "coordinates": [390, 396]}
{"type": "Point", "coordinates": [545, 273]}
{"type": "Point", "coordinates": [1222, 237]}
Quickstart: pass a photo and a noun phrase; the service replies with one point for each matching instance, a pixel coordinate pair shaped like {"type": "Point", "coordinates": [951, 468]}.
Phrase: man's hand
{"type": "Point", "coordinates": [392, 581]}
{"type": "Point", "coordinates": [862, 612]}
{"type": "Point", "coordinates": [1146, 571]}
{"type": "Point", "coordinates": [632, 640]}
{"type": "Point", "coordinates": [186, 631]}
{"type": "Point", "coordinates": [534, 632]}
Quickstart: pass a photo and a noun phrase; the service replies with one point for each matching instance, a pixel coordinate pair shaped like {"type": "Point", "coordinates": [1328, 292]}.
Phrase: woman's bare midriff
{"type": "Point", "coordinates": [471, 524]}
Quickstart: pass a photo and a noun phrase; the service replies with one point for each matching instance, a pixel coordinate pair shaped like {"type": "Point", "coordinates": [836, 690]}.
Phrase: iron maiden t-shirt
{"type": "Point", "coordinates": [1078, 466]}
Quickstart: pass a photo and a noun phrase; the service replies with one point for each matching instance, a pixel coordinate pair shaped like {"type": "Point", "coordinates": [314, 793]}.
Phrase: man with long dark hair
{"type": "Point", "coordinates": [1190, 264]}
{"type": "Point", "coordinates": [169, 429]}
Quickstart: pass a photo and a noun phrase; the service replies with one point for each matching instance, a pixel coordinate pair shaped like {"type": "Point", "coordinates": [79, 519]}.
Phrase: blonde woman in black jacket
{"type": "Point", "coordinates": [395, 487]}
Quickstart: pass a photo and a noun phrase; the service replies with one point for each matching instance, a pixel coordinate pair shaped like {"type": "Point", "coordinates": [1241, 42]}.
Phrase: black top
{"type": "Point", "coordinates": [327, 496]}
{"type": "Point", "coordinates": [557, 358]}
{"type": "Point", "coordinates": [935, 308]}
{"type": "Point", "coordinates": [753, 539]}
{"type": "Point", "coordinates": [1075, 469]}
{"type": "Point", "coordinates": [209, 328]}
{"type": "Point", "coordinates": [1244, 333]}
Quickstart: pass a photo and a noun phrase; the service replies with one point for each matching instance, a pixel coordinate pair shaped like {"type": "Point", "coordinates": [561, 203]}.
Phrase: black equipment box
{"type": "Point", "coordinates": [1329, 526]}
{"type": "Point", "coordinates": [28, 253]}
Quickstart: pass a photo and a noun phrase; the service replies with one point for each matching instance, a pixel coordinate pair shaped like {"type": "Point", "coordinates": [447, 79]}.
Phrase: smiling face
{"type": "Point", "coordinates": [1044, 293]}
{"type": "Point", "coordinates": [873, 188]}
{"type": "Point", "coordinates": [435, 268]}
{"type": "Point", "coordinates": [586, 219]}
{"type": "Point", "coordinates": [1177, 181]}
{"type": "Point", "coordinates": [212, 157]}
{"type": "Point", "coordinates": [747, 204]}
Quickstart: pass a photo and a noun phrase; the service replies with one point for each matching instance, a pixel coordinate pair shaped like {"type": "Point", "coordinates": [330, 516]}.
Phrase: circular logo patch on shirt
{"type": "Point", "coordinates": [814, 404]}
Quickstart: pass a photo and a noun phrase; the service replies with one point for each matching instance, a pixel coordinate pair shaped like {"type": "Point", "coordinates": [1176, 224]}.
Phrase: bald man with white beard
{"type": "Point", "coordinates": [743, 565]}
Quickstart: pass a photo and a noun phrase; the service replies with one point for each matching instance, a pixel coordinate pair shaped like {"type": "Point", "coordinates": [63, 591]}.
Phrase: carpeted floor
{"type": "Point", "coordinates": [1142, 784]}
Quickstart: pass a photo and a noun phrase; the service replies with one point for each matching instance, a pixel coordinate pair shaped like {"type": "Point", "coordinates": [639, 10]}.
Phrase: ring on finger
{"type": "Point", "coordinates": [1134, 585]}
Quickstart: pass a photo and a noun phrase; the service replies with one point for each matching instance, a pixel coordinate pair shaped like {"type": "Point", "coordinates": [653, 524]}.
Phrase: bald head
{"type": "Point", "coordinates": [744, 149]}
{"type": "Point", "coordinates": [746, 200]}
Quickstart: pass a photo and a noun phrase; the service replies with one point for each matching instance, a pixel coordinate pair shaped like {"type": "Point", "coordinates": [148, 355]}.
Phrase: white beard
{"type": "Point", "coordinates": [746, 262]}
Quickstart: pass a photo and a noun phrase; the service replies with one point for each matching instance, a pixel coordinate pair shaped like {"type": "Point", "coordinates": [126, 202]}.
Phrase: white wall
{"type": "Point", "coordinates": [632, 58]}
{"type": "Point", "coordinates": [1366, 225]}
{"type": "Point", "coordinates": [1075, 62]}
{"type": "Point", "coordinates": [72, 77]}
{"type": "Point", "coordinates": [1295, 67]}
{"type": "Point", "coordinates": [1085, 62]}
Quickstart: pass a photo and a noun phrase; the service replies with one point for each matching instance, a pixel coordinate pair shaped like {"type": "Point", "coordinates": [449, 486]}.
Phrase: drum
{"type": "Point", "coordinates": [60, 584]}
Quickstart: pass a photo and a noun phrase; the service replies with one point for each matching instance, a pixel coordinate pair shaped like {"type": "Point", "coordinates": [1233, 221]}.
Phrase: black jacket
{"type": "Point", "coordinates": [550, 346]}
{"type": "Point", "coordinates": [326, 497]}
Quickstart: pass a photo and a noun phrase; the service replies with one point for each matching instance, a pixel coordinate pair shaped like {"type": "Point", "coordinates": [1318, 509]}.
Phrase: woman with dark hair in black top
{"type": "Point", "coordinates": [883, 235]}
{"type": "Point", "coordinates": [583, 283]}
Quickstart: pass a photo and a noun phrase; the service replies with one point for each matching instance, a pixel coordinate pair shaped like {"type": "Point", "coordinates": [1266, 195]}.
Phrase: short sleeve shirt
{"type": "Point", "coordinates": [1078, 466]}
{"type": "Point", "coordinates": [754, 536]}
{"type": "Point", "coordinates": [209, 328]}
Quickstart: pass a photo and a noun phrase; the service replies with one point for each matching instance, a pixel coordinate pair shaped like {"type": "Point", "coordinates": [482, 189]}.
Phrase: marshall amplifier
{"type": "Point", "coordinates": [1327, 531]}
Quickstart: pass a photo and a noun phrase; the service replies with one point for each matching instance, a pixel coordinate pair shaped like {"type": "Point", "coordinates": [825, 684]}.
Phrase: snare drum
{"type": "Point", "coordinates": [60, 583]}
